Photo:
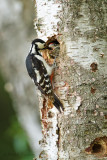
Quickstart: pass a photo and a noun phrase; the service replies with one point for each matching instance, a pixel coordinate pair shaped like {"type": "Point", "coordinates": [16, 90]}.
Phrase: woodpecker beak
{"type": "Point", "coordinates": [47, 47]}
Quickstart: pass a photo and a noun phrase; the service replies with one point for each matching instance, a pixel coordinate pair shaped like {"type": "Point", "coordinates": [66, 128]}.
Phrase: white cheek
{"type": "Point", "coordinates": [51, 45]}
{"type": "Point", "coordinates": [40, 45]}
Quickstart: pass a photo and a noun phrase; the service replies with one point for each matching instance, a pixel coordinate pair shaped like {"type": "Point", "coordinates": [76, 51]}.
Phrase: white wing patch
{"type": "Point", "coordinates": [38, 76]}
{"type": "Point", "coordinates": [47, 80]}
{"type": "Point", "coordinates": [48, 91]}
{"type": "Point", "coordinates": [42, 83]}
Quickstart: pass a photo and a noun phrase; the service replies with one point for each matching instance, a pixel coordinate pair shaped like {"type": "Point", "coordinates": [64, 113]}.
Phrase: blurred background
{"type": "Point", "coordinates": [20, 128]}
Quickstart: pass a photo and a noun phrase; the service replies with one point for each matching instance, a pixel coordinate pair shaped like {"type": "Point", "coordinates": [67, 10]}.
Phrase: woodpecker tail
{"type": "Point", "coordinates": [58, 104]}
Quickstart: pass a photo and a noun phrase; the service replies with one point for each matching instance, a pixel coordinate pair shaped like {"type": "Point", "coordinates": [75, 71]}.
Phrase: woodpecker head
{"type": "Point", "coordinates": [38, 44]}
{"type": "Point", "coordinates": [53, 45]}
{"type": "Point", "coordinates": [55, 49]}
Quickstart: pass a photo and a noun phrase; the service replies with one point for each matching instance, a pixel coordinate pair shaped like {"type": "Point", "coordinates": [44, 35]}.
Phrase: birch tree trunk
{"type": "Point", "coordinates": [80, 132]}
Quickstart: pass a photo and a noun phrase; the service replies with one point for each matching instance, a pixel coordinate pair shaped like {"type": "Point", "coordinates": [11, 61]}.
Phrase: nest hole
{"type": "Point", "coordinates": [52, 39]}
{"type": "Point", "coordinates": [97, 148]}
{"type": "Point", "coordinates": [54, 47]}
{"type": "Point", "coordinates": [55, 41]}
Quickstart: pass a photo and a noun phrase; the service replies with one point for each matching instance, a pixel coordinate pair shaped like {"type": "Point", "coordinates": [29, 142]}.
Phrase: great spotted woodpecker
{"type": "Point", "coordinates": [39, 71]}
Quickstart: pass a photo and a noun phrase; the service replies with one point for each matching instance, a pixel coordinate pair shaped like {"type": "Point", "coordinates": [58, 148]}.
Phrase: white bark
{"type": "Point", "coordinates": [47, 18]}
{"type": "Point", "coordinates": [46, 26]}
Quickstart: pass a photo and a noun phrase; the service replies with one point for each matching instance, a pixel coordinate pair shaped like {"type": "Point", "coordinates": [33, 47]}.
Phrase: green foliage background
{"type": "Point", "coordinates": [13, 140]}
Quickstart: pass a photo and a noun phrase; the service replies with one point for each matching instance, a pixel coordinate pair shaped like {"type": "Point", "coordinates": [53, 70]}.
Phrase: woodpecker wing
{"type": "Point", "coordinates": [38, 73]}
{"type": "Point", "coordinates": [29, 66]}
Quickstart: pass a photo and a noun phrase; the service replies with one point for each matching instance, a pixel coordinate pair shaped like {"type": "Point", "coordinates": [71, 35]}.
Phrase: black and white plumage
{"type": "Point", "coordinates": [40, 72]}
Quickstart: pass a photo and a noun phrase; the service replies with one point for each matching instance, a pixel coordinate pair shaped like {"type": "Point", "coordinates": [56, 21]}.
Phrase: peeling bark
{"type": "Point", "coordinates": [80, 78]}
